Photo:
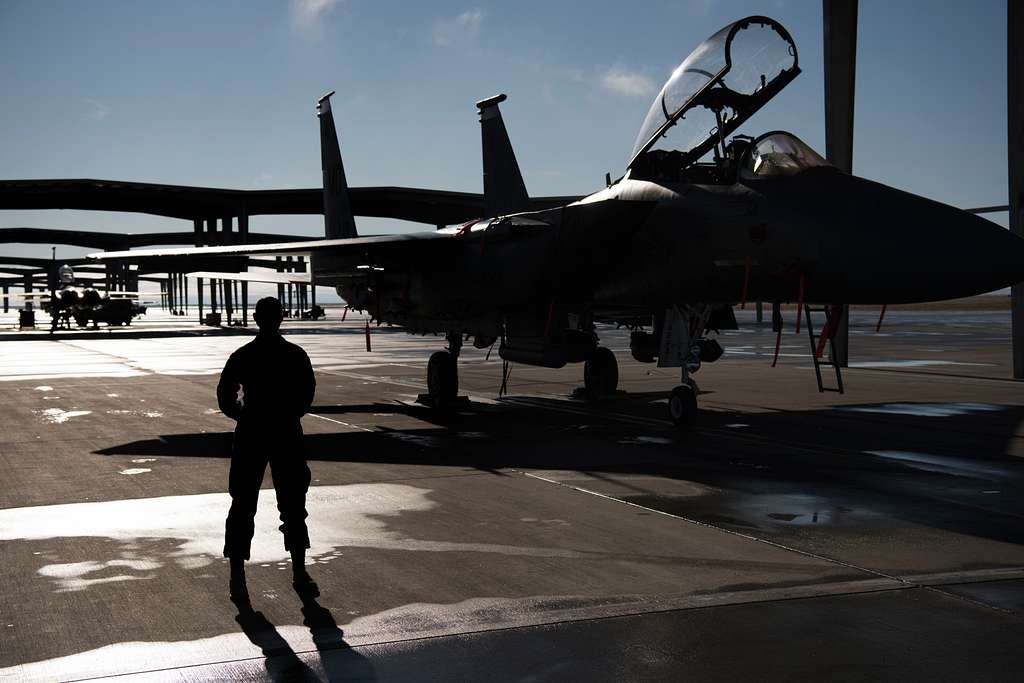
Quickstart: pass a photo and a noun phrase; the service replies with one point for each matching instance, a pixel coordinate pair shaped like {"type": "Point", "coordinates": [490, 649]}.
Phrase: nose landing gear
{"type": "Point", "coordinates": [682, 406]}
{"type": "Point", "coordinates": [682, 346]}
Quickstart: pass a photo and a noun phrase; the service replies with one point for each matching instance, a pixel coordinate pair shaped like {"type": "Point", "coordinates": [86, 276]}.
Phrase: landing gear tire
{"type": "Point", "coordinates": [601, 373]}
{"type": "Point", "coordinates": [682, 407]}
{"type": "Point", "coordinates": [442, 377]}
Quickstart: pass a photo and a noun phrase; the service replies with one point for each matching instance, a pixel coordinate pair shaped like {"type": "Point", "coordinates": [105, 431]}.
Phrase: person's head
{"type": "Point", "coordinates": [268, 314]}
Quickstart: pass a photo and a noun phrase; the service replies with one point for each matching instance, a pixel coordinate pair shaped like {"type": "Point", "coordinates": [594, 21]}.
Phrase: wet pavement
{"type": "Point", "coordinates": [792, 535]}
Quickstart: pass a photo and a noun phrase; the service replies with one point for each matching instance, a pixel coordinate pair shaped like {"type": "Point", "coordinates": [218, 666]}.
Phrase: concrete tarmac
{"type": "Point", "coordinates": [793, 535]}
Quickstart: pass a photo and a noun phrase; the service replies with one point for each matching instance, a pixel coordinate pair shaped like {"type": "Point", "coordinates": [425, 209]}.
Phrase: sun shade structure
{"type": "Point", "coordinates": [434, 207]}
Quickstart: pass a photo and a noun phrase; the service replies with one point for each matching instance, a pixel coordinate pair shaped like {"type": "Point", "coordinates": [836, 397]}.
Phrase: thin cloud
{"type": "Point", "coordinates": [465, 25]}
{"type": "Point", "coordinates": [96, 110]}
{"type": "Point", "coordinates": [622, 81]}
{"type": "Point", "coordinates": [307, 15]}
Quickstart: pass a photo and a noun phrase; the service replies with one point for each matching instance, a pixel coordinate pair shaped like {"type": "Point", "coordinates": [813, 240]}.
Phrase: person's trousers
{"type": "Point", "coordinates": [291, 482]}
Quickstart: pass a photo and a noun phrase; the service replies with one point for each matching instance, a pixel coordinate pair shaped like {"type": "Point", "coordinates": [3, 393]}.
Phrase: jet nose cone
{"type": "Point", "coordinates": [1004, 253]}
{"type": "Point", "coordinates": [915, 249]}
{"type": "Point", "coordinates": [973, 254]}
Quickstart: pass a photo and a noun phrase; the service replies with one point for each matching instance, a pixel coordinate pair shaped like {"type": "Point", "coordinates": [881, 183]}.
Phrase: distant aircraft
{"type": "Point", "coordinates": [84, 304]}
{"type": "Point", "coordinates": [667, 249]}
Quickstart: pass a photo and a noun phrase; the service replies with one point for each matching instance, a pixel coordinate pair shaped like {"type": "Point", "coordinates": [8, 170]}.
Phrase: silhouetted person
{"type": "Point", "coordinates": [278, 386]}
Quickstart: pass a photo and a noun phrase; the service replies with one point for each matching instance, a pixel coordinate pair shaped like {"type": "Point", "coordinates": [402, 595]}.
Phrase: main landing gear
{"type": "Point", "coordinates": [443, 374]}
{"type": "Point", "coordinates": [601, 373]}
{"type": "Point", "coordinates": [442, 377]}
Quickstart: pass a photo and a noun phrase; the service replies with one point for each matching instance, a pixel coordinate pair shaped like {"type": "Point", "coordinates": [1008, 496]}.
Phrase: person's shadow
{"type": "Point", "coordinates": [338, 661]}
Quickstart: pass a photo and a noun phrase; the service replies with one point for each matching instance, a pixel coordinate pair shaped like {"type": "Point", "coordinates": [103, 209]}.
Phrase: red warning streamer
{"type": "Point", "coordinates": [368, 335]}
{"type": "Point", "coordinates": [551, 319]}
{"type": "Point", "coordinates": [833, 314]}
{"type": "Point", "coordinates": [826, 332]}
{"type": "Point", "coordinates": [881, 316]}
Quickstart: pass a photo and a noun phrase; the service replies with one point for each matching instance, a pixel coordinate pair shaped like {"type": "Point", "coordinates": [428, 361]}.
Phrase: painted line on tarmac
{"type": "Point", "coordinates": [774, 544]}
{"type": "Point", "coordinates": [931, 582]}
{"type": "Point", "coordinates": [339, 422]}
{"type": "Point", "coordinates": [376, 379]}
{"type": "Point", "coordinates": [943, 375]}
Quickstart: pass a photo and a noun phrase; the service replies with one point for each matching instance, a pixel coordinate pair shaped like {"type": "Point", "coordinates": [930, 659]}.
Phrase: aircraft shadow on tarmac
{"type": "Point", "coordinates": [917, 462]}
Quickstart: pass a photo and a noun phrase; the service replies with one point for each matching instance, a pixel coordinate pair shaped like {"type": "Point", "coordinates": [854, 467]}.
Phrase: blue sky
{"type": "Point", "coordinates": [222, 93]}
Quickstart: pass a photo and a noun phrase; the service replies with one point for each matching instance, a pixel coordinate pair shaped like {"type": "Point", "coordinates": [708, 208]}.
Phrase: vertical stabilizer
{"type": "Point", "coordinates": [338, 220]}
{"type": "Point", "coordinates": [504, 190]}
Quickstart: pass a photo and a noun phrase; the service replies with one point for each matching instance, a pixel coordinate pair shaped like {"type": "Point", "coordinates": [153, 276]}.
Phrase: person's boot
{"type": "Point", "coordinates": [302, 582]}
{"type": "Point", "coordinates": [238, 590]}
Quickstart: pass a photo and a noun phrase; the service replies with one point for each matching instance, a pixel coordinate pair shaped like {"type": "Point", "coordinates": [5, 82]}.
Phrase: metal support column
{"type": "Point", "coordinates": [303, 290]}
{"type": "Point", "coordinates": [184, 286]}
{"type": "Point", "coordinates": [245, 303]}
{"type": "Point", "coordinates": [197, 225]}
{"type": "Point", "coordinates": [243, 237]}
{"type": "Point", "coordinates": [840, 52]}
{"type": "Point", "coordinates": [280, 288]}
{"type": "Point", "coordinates": [226, 298]}
{"type": "Point", "coordinates": [6, 300]}
{"type": "Point", "coordinates": [226, 237]}
{"type": "Point", "coordinates": [211, 236]}
{"type": "Point", "coordinates": [290, 268]}
{"type": "Point", "coordinates": [1015, 158]}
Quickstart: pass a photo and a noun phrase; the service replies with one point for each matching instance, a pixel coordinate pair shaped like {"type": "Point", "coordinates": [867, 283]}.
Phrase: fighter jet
{"type": "Point", "coordinates": [701, 220]}
{"type": "Point", "coordinates": [84, 304]}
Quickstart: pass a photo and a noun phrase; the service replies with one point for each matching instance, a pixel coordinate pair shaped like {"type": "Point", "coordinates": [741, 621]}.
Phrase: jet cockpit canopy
{"type": "Point", "coordinates": [777, 155]}
{"type": "Point", "coordinates": [720, 85]}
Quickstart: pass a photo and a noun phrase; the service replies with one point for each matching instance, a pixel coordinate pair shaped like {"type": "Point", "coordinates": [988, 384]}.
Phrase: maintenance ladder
{"type": "Point", "coordinates": [828, 329]}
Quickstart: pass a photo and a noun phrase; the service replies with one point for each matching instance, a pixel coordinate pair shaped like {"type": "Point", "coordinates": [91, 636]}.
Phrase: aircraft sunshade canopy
{"type": "Point", "coordinates": [723, 82]}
